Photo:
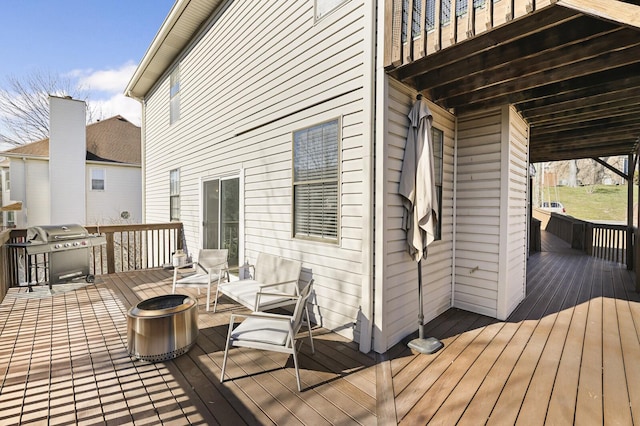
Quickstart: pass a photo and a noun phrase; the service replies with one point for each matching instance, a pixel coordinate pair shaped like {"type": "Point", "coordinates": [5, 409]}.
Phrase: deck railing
{"type": "Point", "coordinates": [608, 241]}
{"type": "Point", "coordinates": [5, 278]}
{"type": "Point", "coordinates": [602, 240]}
{"type": "Point", "coordinates": [128, 247]}
{"type": "Point", "coordinates": [417, 28]}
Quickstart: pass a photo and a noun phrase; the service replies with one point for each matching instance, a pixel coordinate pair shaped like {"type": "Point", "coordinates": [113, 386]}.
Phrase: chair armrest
{"type": "Point", "coordinates": [186, 265]}
{"type": "Point", "coordinates": [268, 315]}
{"type": "Point", "coordinates": [220, 267]}
{"type": "Point", "coordinates": [294, 282]}
{"type": "Point", "coordinates": [293, 298]}
{"type": "Point", "coordinates": [186, 269]}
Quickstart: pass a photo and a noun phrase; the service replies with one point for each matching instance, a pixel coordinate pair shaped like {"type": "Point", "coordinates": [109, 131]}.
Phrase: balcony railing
{"type": "Point", "coordinates": [417, 28]}
{"type": "Point", "coordinates": [602, 240]}
{"type": "Point", "coordinates": [128, 247]}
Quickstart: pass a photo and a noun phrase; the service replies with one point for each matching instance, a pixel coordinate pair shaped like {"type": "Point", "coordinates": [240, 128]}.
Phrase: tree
{"type": "Point", "coordinates": [573, 173]}
{"type": "Point", "coordinates": [24, 106]}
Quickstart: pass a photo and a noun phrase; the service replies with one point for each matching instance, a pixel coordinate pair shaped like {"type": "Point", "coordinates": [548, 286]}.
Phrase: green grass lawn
{"type": "Point", "coordinates": [598, 202]}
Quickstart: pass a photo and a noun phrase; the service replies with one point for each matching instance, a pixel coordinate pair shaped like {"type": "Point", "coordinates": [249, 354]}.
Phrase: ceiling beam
{"type": "Point", "coordinates": [513, 81]}
{"type": "Point", "coordinates": [526, 50]}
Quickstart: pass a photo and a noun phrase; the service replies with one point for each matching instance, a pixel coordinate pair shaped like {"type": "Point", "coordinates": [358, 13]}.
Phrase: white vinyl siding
{"type": "Point", "coordinates": [396, 309]}
{"type": "Point", "coordinates": [240, 103]}
{"type": "Point", "coordinates": [478, 212]}
{"type": "Point", "coordinates": [122, 194]}
{"type": "Point", "coordinates": [34, 194]}
{"type": "Point", "coordinates": [491, 212]}
{"type": "Point", "coordinates": [513, 281]}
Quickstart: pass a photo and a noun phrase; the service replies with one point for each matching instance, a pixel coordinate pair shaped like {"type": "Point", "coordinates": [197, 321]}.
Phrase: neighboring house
{"type": "Point", "coordinates": [87, 174]}
{"type": "Point", "coordinates": [280, 127]}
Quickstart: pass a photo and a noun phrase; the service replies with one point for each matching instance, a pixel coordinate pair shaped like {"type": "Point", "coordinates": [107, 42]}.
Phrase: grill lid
{"type": "Point", "coordinates": [49, 233]}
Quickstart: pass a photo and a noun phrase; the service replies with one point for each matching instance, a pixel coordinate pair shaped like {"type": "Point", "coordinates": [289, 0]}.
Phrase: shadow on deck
{"type": "Point", "coordinates": [567, 355]}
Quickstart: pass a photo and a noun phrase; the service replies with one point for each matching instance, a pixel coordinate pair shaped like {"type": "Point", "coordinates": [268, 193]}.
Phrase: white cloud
{"type": "Point", "coordinates": [105, 89]}
{"type": "Point", "coordinates": [118, 104]}
{"type": "Point", "coordinates": [111, 80]}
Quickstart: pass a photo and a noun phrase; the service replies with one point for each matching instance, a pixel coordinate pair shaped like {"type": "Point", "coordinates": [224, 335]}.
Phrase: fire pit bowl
{"type": "Point", "coordinates": [163, 327]}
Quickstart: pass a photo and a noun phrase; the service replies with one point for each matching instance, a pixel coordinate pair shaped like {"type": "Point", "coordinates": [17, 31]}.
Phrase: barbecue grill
{"type": "Point", "coordinates": [66, 250]}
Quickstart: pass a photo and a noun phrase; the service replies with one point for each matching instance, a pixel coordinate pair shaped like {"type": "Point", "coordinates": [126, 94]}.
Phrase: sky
{"type": "Point", "coordinates": [96, 44]}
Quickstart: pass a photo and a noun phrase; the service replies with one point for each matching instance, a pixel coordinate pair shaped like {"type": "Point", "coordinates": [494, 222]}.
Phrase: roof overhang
{"type": "Point", "coordinates": [181, 25]}
{"type": "Point", "coordinates": [572, 70]}
{"type": "Point", "coordinates": [13, 207]}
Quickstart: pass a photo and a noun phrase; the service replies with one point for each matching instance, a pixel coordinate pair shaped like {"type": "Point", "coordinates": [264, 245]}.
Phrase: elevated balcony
{"type": "Point", "coordinates": [571, 68]}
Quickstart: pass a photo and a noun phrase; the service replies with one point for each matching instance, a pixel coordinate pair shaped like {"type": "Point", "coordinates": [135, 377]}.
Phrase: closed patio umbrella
{"type": "Point", "coordinates": [419, 197]}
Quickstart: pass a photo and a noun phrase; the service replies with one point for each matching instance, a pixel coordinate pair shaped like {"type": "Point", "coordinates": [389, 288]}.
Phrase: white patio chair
{"type": "Point", "coordinates": [211, 266]}
{"type": "Point", "coordinates": [271, 332]}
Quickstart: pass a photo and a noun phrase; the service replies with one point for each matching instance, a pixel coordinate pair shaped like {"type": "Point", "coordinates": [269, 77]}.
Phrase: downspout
{"type": "Point", "coordinates": [368, 180]}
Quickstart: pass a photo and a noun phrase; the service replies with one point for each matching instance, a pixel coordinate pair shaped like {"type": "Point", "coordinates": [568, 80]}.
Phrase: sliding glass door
{"type": "Point", "coordinates": [221, 216]}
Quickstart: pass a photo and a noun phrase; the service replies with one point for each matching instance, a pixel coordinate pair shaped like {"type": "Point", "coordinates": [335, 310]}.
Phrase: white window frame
{"type": "Point", "coordinates": [437, 136]}
{"type": "Point", "coordinates": [329, 177]}
{"type": "Point", "coordinates": [174, 195]}
{"type": "Point", "coordinates": [94, 178]}
{"type": "Point", "coordinates": [174, 95]}
{"type": "Point", "coordinates": [322, 8]}
{"type": "Point", "coordinates": [11, 219]}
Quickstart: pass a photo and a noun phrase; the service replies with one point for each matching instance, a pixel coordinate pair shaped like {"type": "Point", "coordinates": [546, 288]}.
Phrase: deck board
{"type": "Point", "coordinates": [567, 355]}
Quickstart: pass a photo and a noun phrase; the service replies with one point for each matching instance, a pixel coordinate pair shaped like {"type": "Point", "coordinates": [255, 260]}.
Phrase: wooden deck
{"type": "Point", "coordinates": [570, 354]}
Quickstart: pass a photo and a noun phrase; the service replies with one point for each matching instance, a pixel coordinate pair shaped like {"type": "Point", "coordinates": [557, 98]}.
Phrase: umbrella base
{"type": "Point", "coordinates": [426, 346]}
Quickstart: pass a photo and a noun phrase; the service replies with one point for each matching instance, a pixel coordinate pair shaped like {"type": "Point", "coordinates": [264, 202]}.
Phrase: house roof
{"type": "Point", "coordinates": [114, 140]}
{"type": "Point", "coordinates": [184, 21]}
{"type": "Point", "coordinates": [571, 69]}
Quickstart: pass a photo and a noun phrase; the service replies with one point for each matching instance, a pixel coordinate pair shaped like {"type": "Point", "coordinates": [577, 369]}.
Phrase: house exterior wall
{"type": "Point", "coordinates": [478, 212]}
{"type": "Point", "coordinates": [30, 184]}
{"type": "Point", "coordinates": [122, 193]}
{"type": "Point", "coordinates": [396, 311]}
{"type": "Point", "coordinates": [515, 192]}
{"type": "Point", "coordinates": [491, 195]}
{"type": "Point", "coordinates": [240, 102]}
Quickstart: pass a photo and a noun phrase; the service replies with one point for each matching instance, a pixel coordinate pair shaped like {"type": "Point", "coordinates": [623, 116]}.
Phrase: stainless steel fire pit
{"type": "Point", "coordinates": [163, 327]}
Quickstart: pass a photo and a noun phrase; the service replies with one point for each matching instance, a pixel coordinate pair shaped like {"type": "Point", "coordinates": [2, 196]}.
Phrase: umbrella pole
{"type": "Point", "coordinates": [423, 345]}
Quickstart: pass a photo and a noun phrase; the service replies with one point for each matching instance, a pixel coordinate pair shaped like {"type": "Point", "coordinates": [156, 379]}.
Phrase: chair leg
{"type": "Point", "coordinates": [175, 278]}
{"type": "Point", "coordinates": [295, 363]}
{"type": "Point", "coordinates": [226, 350]}
{"type": "Point", "coordinates": [306, 310]}
{"type": "Point", "coordinates": [208, 296]}
{"type": "Point", "coordinates": [215, 301]}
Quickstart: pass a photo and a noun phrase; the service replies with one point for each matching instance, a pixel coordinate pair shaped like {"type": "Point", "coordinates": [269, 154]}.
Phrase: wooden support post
{"type": "Point", "coordinates": [629, 233]}
{"type": "Point", "coordinates": [111, 263]}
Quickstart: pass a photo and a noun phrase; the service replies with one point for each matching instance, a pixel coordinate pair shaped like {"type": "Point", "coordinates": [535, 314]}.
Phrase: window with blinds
{"type": "Point", "coordinates": [174, 194]}
{"type": "Point", "coordinates": [315, 182]}
{"type": "Point", "coordinates": [98, 177]}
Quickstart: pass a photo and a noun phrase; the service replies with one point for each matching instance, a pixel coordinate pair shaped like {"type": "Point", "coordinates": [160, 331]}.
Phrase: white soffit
{"type": "Point", "coordinates": [179, 27]}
